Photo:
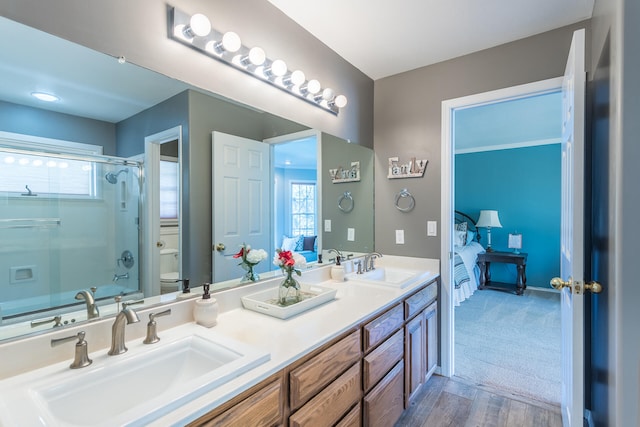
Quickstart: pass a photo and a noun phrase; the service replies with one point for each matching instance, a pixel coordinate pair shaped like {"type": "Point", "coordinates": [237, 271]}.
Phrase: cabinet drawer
{"type": "Point", "coordinates": [353, 418]}
{"type": "Point", "coordinates": [382, 359]}
{"type": "Point", "coordinates": [415, 303]}
{"type": "Point", "coordinates": [384, 405]}
{"type": "Point", "coordinates": [313, 375]}
{"type": "Point", "coordinates": [263, 408]}
{"type": "Point", "coordinates": [380, 328]}
{"type": "Point", "coordinates": [332, 403]}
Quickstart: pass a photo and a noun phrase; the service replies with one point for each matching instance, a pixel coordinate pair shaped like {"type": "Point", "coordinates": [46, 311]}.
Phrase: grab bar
{"type": "Point", "coordinates": [29, 222]}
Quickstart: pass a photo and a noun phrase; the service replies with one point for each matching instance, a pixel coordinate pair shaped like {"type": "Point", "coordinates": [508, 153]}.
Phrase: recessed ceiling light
{"type": "Point", "coordinates": [287, 162]}
{"type": "Point", "coordinates": [45, 96]}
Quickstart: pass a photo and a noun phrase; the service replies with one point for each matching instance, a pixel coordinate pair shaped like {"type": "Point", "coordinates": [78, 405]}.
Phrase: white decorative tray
{"type": "Point", "coordinates": [264, 301]}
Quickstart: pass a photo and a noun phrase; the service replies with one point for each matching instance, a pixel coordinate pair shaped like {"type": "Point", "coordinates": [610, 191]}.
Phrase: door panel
{"type": "Point", "coordinates": [241, 194]}
{"type": "Point", "coordinates": [572, 233]}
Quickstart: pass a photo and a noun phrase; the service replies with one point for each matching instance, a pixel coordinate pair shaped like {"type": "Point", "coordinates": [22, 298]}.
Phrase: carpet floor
{"type": "Point", "coordinates": [511, 342]}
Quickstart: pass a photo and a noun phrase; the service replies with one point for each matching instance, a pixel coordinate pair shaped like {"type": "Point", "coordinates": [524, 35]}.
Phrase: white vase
{"type": "Point", "coordinates": [205, 312]}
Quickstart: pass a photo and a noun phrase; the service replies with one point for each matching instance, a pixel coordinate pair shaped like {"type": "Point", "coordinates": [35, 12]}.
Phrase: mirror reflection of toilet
{"type": "Point", "coordinates": [169, 273]}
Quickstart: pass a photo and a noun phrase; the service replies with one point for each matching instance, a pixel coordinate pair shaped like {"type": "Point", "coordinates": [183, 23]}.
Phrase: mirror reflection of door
{"type": "Point", "coordinates": [169, 210]}
{"type": "Point", "coordinates": [296, 204]}
{"type": "Point", "coordinates": [241, 195]}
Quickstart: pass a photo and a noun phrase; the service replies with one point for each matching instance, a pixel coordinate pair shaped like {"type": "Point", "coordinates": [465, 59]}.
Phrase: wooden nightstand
{"type": "Point", "coordinates": [520, 260]}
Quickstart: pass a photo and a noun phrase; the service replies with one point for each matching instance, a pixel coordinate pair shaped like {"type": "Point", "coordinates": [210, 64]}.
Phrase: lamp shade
{"type": "Point", "coordinates": [489, 219]}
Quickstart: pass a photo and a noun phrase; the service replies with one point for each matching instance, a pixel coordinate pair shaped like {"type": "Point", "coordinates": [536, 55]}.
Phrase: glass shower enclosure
{"type": "Point", "coordinates": [68, 223]}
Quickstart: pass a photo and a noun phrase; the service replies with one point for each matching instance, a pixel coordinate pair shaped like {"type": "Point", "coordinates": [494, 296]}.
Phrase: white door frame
{"type": "Point", "coordinates": [151, 206]}
{"type": "Point", "coordinates": [447, 200]}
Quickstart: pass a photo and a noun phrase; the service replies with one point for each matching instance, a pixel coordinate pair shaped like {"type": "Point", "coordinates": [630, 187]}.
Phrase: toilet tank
{"type": "Point", "coordinates": [168, 260]}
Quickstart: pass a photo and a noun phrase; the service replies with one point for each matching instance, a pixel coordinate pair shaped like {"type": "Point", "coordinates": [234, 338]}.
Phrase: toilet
{"type": "Point", "coordinates": [169, 271]}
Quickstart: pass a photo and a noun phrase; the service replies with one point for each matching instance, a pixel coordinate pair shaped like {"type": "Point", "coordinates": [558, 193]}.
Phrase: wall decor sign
{"type": "Point", "coordinates": [341, 174]}
{"type": "Point", "coordinates": [411, 169]}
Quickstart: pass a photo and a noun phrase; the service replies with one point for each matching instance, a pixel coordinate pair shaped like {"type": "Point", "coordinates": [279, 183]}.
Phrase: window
{"type": "Point", "coordinates": [169, 189]}
{"type": "Point", "coordinates": [46, 175]}
{"type": "Point", "coordinates": [303, 209]}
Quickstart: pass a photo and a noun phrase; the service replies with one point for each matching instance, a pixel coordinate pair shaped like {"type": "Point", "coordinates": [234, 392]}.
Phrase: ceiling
{"type": "Point", "coordinates": [386, 37]}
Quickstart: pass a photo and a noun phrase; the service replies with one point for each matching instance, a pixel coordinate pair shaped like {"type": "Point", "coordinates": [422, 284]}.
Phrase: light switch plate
{"type": "Point", "coordinates": [327, 226]}
{"type": "Point", "coordinates": [399, 237]}
{"type": "Point", "coordinates": [432, 228]}
{"type": "Point", "coordinates": [351, 234]}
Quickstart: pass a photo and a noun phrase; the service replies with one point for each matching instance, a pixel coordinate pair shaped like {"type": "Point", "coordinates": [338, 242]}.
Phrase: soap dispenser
{"type": "Point", "coordinates": [186, 292]}
{"type": "Point", "coordinates": [337, 270]}
{"type": "Point", "coordinates": [205, 310]}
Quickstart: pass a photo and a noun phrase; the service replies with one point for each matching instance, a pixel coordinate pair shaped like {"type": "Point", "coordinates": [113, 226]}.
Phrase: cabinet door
{"type": "Point", "coordinates": [263, 408]}
{"type": "Point", "coordinates": [431, 328]}
{"type": "Point", "coordinates": [415, 345]}
{"type": "Point", "coordinates": [383, 406]}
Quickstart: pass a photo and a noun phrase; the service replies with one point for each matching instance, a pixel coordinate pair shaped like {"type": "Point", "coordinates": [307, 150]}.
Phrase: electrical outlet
{"type": "Point", "coordinates": [327, 226]}
{"type": "Point", "coordinates": [399, 237]}
{"type": "Point", "coordinates": [432, 228]}
{"type": "Point", "coordinates": [351, 234]}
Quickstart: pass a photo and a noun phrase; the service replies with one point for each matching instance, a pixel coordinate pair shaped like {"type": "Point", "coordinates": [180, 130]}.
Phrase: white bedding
{"type": "Point", "coordinates": [469, 256]}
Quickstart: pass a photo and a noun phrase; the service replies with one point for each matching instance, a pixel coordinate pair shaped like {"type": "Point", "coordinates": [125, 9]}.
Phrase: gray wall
{"type": "Point", "coordinates": [407, 123]}
{"type": "Point", "coordinates": [621, 21]}
{"type": "Point", "coordinates": [138, 31]}
{"type": "Point", "coordinates": [335, 153]}
{"type": "Point", "coordinates": [47, 124]}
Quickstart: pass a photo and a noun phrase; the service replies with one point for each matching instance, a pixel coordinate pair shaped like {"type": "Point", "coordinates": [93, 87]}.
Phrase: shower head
{"type": "Point", "coordinates": [112, 178]}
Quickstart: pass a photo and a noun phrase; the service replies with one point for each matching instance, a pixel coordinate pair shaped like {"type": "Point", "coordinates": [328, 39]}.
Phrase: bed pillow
{"type": "Point", "coordinates": [289, 243]}
{"type": "Point", "coordinates": [460, 238]}
{"type": "Point", "coordinates": [308, 243]}
{"type": "Point", "coordinates": [471, 236]}
{"type": "Point", "coordinates": [299, 243]}
{"type": "Point", "coordinates": [462, 226]}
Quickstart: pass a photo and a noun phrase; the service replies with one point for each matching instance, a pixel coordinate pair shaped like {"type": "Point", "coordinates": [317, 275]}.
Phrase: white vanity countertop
{"type": "Point", "coordinates": [285, 340]}
{"type": "Point", "coordinates": [288, 340]}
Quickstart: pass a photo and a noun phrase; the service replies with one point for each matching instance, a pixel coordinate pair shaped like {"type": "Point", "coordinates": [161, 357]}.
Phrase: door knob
{"type": "Point", "coordinates": [594, 287]}
{"type": "Point", "coordinates": [220, 247]}
{"type": "Point", "coordinates": [558, 283]}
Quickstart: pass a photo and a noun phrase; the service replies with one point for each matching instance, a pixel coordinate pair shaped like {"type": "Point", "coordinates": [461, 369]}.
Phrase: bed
{"type": "Point", "coordinates": [466, 272]}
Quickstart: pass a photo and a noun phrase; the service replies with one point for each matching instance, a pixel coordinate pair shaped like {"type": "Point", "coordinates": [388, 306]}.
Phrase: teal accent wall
{"type": "Point", "coordinates": [523, 185]}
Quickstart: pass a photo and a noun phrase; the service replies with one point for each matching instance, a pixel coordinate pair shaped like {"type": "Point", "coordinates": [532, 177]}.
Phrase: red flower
{"type": "Point", "coordinates": [240, 254]}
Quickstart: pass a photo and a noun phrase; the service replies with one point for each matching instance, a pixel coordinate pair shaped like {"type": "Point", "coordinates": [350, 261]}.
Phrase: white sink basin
{"type": "Point", "coordinates": [131, 389]}
{"type": "Point", "coordinates": [388, 276]}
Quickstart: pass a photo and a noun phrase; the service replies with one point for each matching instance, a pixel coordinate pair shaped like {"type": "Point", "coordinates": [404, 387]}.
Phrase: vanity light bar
{"type": "Point", "coordinates": [196, 31]}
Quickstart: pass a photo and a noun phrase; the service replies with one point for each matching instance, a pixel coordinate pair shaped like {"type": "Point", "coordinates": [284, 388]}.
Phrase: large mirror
{"type": "Point", "coordinates": [131, 112]}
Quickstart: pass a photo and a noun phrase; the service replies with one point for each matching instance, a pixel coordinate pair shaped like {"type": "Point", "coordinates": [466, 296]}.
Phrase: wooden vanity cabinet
{"type": "Point", "coordinates": [421, 339]}
{"type": "Point", "coordinates": [263, 405]}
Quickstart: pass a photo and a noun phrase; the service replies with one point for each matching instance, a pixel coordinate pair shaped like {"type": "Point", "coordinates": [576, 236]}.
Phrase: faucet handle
{"type": "Point", "coordinates": [152, 331]}
{"type": "Point", "coordinates": [126, 304]}
{"type": "Point", "coordinates": [81, 358]}
{"type": "Point", "coordinates": [57, 321]}
{"type": "Point", "coordinates": [358, 262]}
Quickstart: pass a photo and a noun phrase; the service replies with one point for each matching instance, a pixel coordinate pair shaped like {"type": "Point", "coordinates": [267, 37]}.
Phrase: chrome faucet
{"type": "Point", "coordinates": [337, 252]}
{"type": "Point", "coordinates": [369, 260]}
{"type": "Point", "coordinates": [117, 330]}
{"type": "Point", "coordinates": [117, 277]}
{"type": "Point", "coordinates": [88, 297]}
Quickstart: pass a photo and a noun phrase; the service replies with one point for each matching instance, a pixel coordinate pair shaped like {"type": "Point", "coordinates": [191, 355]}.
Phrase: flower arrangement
{"type": "Point", "coordinates": [289, 262]}
{"type": "Point", "coordinates": [249, 259]}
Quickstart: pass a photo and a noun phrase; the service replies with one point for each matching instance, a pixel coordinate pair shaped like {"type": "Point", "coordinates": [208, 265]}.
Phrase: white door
{"type": "Point", "coordinates": [241, 194]}
{"type": "Point", "coordinates": [572, 238]}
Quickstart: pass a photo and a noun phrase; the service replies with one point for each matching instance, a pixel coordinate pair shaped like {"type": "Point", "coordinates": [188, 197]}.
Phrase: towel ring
{"type": "Point", "coordinates": [347, 198]}
{"type": "Point", "coordinates": [404, 193]}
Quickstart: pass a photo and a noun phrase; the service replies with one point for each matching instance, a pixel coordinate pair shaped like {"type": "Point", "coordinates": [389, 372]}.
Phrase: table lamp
{"type": "Point", "coordinates": [489, 219]}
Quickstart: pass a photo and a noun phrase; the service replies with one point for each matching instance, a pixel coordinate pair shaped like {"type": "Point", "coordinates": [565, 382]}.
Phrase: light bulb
{"type": "Point", "coordinates": [340, 101]}
{"type": "Point", "coordinates": [231, 42]}
{"type": "Point", "coordinates": [297, 78]}
{"type": "Point", "coordinates": [199, 25]}
{"type": "Point", "coordinates": [313, 86]}
{"type": "Point", "coordinates": [257, 56]}
{"type": "Point", "coordinates": [279, 68]}
{"type": "Point", "coordinates": [327, 94]}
